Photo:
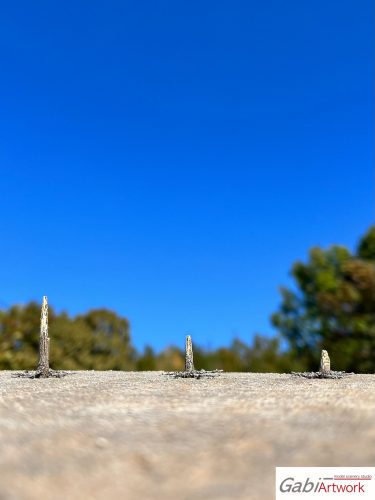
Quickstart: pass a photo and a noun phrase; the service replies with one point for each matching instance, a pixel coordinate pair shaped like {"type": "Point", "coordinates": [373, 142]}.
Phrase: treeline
{"type": "Point", "coordinates": [332, 306]}
{"type": "Point", "coordinates": [100, 340]}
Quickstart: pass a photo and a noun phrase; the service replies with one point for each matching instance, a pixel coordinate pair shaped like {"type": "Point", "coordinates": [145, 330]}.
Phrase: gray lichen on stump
{"type": "Point", "coordinates": [190, 371]}
{"type": "Point", "coordinates": [43, 370]}
{"type": "Point", "coordinates": [324, 369]}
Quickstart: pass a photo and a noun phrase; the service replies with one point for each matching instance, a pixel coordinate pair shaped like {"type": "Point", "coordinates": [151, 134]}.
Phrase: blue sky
{"type": "Point", "coordinates": [171, 159]}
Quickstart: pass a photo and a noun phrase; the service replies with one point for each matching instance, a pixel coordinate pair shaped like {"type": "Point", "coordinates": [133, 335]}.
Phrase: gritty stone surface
{"type": "Point", "coordinates": [40, 374]}
{"type": "Point", "coordinates": [322, 374]}
{"type": "Point", "coordinates": [104, 435]}
{"type": "Point", "coordinates": [194, 374]}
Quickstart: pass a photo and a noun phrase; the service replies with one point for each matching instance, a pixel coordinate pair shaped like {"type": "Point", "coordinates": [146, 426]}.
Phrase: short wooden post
{"type": "Point", "coordinates": [325, 362]}
{"type": "Point", "coordinates": [189, 362]}
{"type": "Point", "coordinates": [43, 365]}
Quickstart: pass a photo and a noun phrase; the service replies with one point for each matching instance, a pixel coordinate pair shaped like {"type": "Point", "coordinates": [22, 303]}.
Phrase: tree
{"type": "Point", "coordinates": [19, 336]}
{"type": "Point", "coordinates": [366, 248]}
{"type": "Point", "coordinates": [97, 340]}
{"type": "Point", "coordinates": [147, 361]}
{"type": "Point", "coordinates": [333, 307]}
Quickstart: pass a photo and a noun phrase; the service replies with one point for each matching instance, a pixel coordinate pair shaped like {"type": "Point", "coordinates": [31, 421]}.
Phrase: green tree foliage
{"type": "Point", "coordinates": [19, 336]}
{"type": "Point", "coordinates": [262, 356]}
{"type": "Point", "coordinates": [100, 340]}
{"type": "Point", "coordinates": [366, 247]}
{"type": "Point", "coordinates": [333, 307]}
{"type": "Point", "coordinates": [97, 340]}
{"type": "Point", "coordinates": [147, 361]}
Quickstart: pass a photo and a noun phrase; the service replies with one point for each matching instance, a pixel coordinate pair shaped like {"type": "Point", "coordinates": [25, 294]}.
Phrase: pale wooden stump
{"type": "Point", "coordinates": [190, 371]}
{"type": "Point", "coordinates": [189, 361]}
{"type": "Point", "coordinates": [43, 365]}
{"type": "Point", "coordinates": [325, 362]}
{"type": "Point", "coordinates": [43, 370]}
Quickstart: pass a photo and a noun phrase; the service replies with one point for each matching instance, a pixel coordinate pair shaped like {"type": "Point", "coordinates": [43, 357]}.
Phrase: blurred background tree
{"type": "Point", "coordinates": [19, 336]}
{"type": "Point", "coordinates": [97, 340]}
{"type": "Point", "coordinates": [333, 307]}
{"type": "Point", "coordinates": [100, 340]}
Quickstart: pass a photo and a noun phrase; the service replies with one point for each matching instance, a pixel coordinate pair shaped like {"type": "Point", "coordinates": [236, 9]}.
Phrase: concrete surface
{"type": "Point", "coordinates": [109, 435]}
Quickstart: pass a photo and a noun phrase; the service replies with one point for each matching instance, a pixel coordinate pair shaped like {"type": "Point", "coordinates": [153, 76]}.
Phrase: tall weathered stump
{"type": "Point", "coordinates": [189, 360]}
{"type": "Point", "coordinates": [43, 370]}
{"type": "Point", "coordinates": [43, 365]}
{"type": "Point", "coordinates": [190, 371]}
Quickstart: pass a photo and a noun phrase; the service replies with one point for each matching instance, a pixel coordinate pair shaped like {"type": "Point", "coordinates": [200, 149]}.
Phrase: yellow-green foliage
{"type": "Point", "coordinates": [333, 307]}
{"type": "Point", "coordinates": [97, 340]}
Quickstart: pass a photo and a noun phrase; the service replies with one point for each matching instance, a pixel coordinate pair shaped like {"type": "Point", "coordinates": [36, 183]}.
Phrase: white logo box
{"type": "Point", "coordinates": [305, 483]}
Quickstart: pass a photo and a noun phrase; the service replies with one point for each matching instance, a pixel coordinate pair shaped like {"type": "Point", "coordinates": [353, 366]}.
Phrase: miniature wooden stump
{"type": "Point", "coordinates": [189, 359]}
{"type": "Point", "coordinates": [324, 369]}
{"type": "Point", "coordinates": [325, 362]}
{"type": "Point", "coordinates": [190, 371]}
{"type": "Point", "coordinates": [43, 370]}
{"type": "Point", "coordinates": [43, 365]}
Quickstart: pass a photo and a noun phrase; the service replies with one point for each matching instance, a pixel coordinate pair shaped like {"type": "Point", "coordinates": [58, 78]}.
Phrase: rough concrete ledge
{"type": "Point", "coordinates": [100, 435]}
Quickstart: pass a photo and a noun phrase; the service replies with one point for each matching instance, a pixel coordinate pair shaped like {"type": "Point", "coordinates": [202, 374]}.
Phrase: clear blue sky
{"type": "Point", "coordinates": [171, 159]}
